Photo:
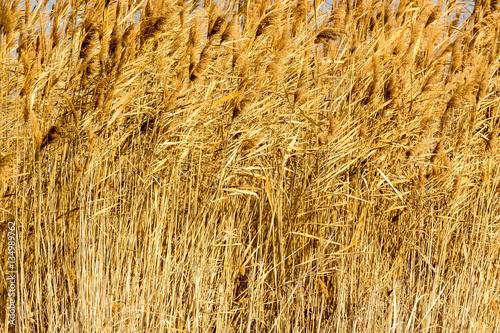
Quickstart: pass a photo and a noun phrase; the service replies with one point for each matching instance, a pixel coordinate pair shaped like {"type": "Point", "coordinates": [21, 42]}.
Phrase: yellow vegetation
{"type": "Point", "coordinates": [252, 166]}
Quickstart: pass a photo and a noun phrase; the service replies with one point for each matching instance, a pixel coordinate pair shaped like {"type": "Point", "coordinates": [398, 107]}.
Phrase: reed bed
{"type": "Point", "coordinates": [252, 166]}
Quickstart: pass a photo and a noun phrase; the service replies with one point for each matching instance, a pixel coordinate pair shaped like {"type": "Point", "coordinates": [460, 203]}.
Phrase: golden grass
{"type": "Point", "coordinates": [252, 166]}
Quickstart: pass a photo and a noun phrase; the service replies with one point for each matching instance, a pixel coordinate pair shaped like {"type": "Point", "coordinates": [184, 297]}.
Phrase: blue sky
{"type": "Point", "coordinates": [326, 4]}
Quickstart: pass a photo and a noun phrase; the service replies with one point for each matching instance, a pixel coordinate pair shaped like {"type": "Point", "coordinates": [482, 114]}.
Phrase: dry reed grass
{"type": "Point", "coordinates": [252, 166]}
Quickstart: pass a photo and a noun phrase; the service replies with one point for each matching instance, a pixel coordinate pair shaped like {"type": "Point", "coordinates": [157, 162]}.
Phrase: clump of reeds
{"type": "Point", "coordinates": [251, 165]}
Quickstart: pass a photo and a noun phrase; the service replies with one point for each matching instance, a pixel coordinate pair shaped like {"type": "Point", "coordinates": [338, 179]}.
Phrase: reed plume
{"type": "Point", "coordinates": [6, 161]}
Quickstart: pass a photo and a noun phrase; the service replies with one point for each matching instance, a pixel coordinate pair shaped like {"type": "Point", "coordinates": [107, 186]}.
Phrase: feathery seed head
{"type": "Point", "coordinates": [90, 44]}
{"type": "Point", "coordinates": [54, 133]}
{"type": "Point", "coordinates": [327, 35]}
{"type": "Point", "coordinates": [6, 161]}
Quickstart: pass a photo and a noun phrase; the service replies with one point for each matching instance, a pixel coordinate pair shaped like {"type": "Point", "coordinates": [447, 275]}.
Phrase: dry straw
{"type": "Point", "coordinates": [252, 166]}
